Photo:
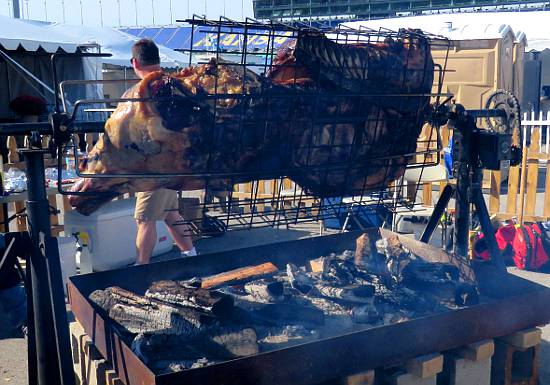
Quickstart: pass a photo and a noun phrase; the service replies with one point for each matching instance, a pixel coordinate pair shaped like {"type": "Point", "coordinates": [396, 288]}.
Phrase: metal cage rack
{"type": "Point", "coordinates": [348, 122]}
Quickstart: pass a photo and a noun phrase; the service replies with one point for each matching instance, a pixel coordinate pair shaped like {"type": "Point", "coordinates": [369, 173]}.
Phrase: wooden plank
{"type": "Point", "coordinates": [478, 351]}
{"type": "Point", "coordinates": [532, 174]}
{"type": "Point", "coordinates": [54, 220]}
{"type": "Point", "coordinates": [546, 208]}
{"type": "Point", "coordinates": [524, 339]}
{"type": "Point", "coordinates": [494, 192]}
{"type": "Point", "coordinates": [238, 275]}
{"type": "Point", "coordinates": [512, 197]}
{"type": "Point", "coordinates": [363, 378]}
{"type": "Point", "coordinates": [425, 366]}
{"type": "Point", "coordinates": [427, 194]}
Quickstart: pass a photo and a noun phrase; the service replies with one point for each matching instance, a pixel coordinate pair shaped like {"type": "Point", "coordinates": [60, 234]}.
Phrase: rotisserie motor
{"type": "Point", "coordinates": [337, 119]}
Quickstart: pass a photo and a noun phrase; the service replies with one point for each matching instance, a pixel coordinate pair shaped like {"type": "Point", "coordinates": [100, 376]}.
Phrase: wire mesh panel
{"type": "Point", "coordinates": [274, 123]}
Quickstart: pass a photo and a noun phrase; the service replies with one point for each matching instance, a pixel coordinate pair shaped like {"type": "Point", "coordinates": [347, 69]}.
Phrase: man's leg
{"type": "Point", "coordinates": [146, 239]}
{"type": "Point", "coordinates": [179, 231]}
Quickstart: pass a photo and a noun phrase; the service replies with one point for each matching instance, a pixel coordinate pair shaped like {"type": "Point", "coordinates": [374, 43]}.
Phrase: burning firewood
{"type": "Point", "coordinates": [176, 293]}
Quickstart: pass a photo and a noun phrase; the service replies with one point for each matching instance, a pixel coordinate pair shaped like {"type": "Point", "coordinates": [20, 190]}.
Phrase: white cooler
{"type": "Point", "coordinates": [112, 235]}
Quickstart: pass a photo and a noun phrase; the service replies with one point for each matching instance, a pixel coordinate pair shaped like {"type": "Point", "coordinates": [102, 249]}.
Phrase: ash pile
{"type": "Point", "coordinates": [178, 325]}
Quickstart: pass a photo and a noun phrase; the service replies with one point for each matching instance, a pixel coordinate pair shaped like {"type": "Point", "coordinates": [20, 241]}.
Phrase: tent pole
{"type": "Point", "coordinates": [16, 9]}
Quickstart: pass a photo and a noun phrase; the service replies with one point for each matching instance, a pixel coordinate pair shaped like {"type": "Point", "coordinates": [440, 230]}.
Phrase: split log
{"type": "Point", "coordinates": [238, 276]}
{"type": "Point", "coordinates": [138, 314]}
{"type": "Point", "coordinates": [177, 293]}
{"type": "Point", "coordinates": [292, 313]}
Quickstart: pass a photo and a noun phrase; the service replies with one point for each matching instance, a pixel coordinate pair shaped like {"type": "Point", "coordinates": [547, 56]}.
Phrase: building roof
{"type": "Point", "coordinates": [533, 26]}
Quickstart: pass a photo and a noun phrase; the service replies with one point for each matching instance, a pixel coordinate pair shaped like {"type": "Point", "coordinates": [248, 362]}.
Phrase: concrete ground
{"type": "Point", "coordinates": [13, 350]}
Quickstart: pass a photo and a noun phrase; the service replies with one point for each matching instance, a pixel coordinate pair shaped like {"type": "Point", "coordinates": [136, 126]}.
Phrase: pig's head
{"type": "Point", "coordinates": [142, 137]}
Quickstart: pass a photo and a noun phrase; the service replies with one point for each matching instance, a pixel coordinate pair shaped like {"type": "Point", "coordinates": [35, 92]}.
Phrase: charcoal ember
{"type": "Point", "coordinates": [298, 279]}
{"type": "Point", "coordinates": [177, 293]}
{"type": "Point", "coordinates": [365, 314]}
{"type": "Point", "coordinates": [138, 314]}
{"type": "Point", "coordinates": [265, 290]}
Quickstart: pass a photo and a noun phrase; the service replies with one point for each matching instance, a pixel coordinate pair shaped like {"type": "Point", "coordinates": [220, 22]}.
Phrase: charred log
{"type": "Point", "coordinates": [138, 314]}
{"type": "Point", "coordinates": [176, 293]}
{"type": "Point", "coordinates": [215, 343]}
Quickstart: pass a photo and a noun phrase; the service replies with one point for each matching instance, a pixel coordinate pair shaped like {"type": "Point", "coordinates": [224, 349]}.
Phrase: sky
{"type": "Point", "coordinates": [127, 12]}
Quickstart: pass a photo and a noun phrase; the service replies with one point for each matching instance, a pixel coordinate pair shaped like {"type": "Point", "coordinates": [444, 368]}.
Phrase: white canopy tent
{"type": "Point", "coordinates": [115, 42]}
{"type": "Point", "coordinates": [26, 46]}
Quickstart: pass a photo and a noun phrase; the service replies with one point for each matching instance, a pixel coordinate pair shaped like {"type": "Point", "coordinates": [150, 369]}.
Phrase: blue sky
{"type": "Point", "coordinates": [52, 10]}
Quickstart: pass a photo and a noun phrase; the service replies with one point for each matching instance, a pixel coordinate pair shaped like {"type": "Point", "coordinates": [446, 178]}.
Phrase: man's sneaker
{"type": "Point", "coordinates": [189, 253]}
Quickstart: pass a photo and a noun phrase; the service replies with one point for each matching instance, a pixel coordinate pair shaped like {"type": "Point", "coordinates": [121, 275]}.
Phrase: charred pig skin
{"type": "Point", "coordinates": [336, 119]}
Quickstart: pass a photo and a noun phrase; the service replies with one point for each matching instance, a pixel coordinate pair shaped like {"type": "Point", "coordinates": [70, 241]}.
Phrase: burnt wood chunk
{"type": "Point", "coordinates": [359, 293]}
{"type": "Point", "coordinates": [237, 276]}
{"type": "Point", "coordinates": [176, 293]}
{"type": "Point", "coordinates": [265, 290]}
{"type": "Point", "coordinates": [214, 343]}
{"type": "Point", "coordinates": [292, 313]}
{"type": "Point", "coordinates": [320, 265]}
{"type": "Point", "coordinates": [138, 314]}
{"type": "Point", "coordinates": [239, 343]}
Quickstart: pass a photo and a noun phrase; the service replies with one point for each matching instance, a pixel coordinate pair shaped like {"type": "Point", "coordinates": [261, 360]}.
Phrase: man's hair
{"type": "Point", "coordinates": [146, 52]}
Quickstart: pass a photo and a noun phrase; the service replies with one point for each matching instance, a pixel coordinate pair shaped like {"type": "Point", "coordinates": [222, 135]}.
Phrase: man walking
{"type": "Point", "coordinates": [161, 204]}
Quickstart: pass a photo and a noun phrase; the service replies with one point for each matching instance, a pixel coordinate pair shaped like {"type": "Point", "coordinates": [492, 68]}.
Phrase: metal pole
{"type": "Point", "coordinates": [54, 365]}
{"type": "Point", "coordinates": [16, 9]}
{"type": "Point", "coordinates": [38, 218]}
{"type": "Point", "coordinates": [463, 166]}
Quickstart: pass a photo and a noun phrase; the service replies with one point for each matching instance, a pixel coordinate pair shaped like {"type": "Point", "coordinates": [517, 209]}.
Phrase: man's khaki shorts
{"type": "Point", "coordinates": [155, 205]}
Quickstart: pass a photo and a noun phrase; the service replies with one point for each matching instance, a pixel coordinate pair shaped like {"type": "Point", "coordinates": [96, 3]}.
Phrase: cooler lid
{"type": "Point", "coordinates": [112, 210]}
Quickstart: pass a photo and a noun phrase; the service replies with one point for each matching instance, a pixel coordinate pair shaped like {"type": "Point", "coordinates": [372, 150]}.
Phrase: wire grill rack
{"type": "Point", "coordinates": [344, 114]}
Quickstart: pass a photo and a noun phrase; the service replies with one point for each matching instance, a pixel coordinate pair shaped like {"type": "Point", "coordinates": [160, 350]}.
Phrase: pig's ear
{"type": "Point", "coordinates": [177, 107]}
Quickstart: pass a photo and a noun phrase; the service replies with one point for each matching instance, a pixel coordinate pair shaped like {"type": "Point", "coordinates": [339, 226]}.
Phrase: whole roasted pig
{"type": "Point", "coordinates": [336, 119]}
